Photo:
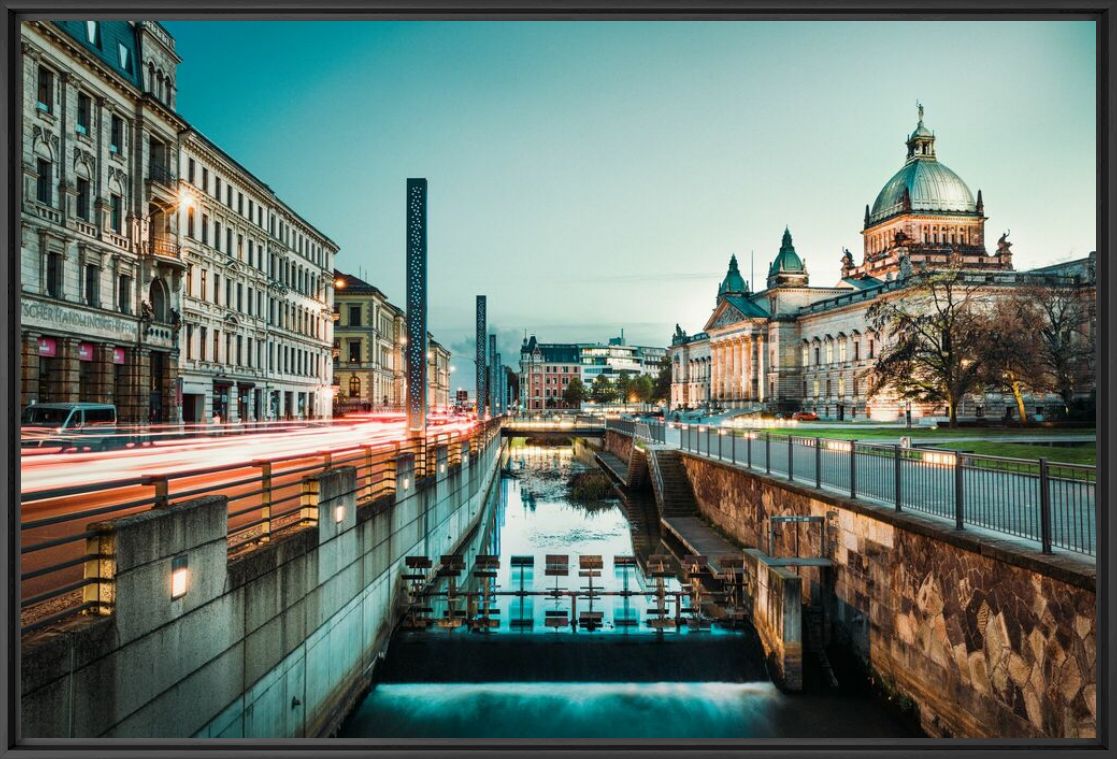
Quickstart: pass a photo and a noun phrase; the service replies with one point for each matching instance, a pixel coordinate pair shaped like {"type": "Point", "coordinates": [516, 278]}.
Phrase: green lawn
{"type": "Point", "coordinates": [1066, 454]}
{"type": "Point", "coordinates": [851, 432]}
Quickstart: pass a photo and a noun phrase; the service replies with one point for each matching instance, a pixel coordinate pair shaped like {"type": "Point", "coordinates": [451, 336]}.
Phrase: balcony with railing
{"type": "Point", "coordinates": [161, 174]}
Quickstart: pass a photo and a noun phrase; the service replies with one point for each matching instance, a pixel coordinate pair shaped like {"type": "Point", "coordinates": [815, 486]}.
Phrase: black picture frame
{"type": "Point", "coordinates": [1102, 11]}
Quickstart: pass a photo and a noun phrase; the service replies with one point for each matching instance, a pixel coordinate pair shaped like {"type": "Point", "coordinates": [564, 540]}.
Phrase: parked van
{"type": "Point", "coordinates": [70, 425]}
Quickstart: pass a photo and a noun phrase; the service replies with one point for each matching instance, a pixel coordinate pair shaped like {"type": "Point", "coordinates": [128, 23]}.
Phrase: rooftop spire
{"type": "Point", "coordinates": [921, 142]}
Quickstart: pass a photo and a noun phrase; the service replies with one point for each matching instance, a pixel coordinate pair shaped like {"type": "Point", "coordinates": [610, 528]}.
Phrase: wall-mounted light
{"type": "Point", "coordinates": [406, 483]}
{"type": "Point", "coordinates": [441, 468]}
{"type": "Point", "coordinates": [180, 574]}
{"type": "Point", "coordinates": [339, 513]}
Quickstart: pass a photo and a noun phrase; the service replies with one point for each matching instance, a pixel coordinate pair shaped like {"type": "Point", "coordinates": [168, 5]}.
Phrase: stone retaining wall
{"type": "Point", "coordinates": [987, 637]}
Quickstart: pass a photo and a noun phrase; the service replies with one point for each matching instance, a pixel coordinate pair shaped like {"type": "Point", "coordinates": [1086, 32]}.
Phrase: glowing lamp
{"type": "Point", "coordinates": [185, 198]}
{"type": "Point", "coordinates": [406, 483]}
{"type": "Point", "coordinates": [339, 513]}
{"type": "Point", "coordinates": [180, 574]}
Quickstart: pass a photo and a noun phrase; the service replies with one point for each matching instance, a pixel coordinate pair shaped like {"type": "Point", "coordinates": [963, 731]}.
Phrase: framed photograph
{"type": "Point", "coordinates": [439, 379]}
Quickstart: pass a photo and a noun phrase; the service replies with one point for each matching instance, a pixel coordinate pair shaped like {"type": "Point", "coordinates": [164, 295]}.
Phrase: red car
{"type": "Point", "coordinates": [805, 416]}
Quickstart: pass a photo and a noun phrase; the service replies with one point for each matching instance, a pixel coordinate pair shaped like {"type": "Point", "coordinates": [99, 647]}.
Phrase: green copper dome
{"type": "Point", "coordinates": [923, 184]}
{"type": "Point", "coordinates": [787, 260]}
{"type": "Point", "coordinates": [734, 283]}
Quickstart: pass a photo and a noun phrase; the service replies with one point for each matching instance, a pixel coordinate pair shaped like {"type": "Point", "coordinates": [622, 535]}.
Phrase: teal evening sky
{"type": "Point", "coordinates": [594, 176]}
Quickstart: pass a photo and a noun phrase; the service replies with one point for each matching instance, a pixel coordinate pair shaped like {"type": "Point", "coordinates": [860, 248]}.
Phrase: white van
{"type": "Point", "coordinates": [70, 425]}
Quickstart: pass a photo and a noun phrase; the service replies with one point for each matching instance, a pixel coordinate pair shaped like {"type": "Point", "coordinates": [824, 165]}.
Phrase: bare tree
{"type": "Point", "coordinates": [932, 338]}
{"type": "Point", "coordinates": [1064, 345]}
{"type": "Point", "coordinates": [1009, 351]}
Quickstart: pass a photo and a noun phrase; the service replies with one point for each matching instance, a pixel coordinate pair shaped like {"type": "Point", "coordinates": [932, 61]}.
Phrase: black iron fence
{"type": "Point", "coordinates": [1051, 503]}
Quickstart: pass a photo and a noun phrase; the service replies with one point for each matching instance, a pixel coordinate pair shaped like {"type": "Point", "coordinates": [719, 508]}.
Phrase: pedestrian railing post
{"type": "Point", "coordinates": [161, 486]}
{"type": "Point", "coordinates": [733, 446]}
{"type": "Point", "coordinates": [768, 452]}
{"type": "Point", "coordinates": [899, 471]}
{"type": "Point", "coordinates": [748, 440]}
{"type": "Point", "coordinates": [790, 458]}
{"type": "Point", "coordinates": [265, 499]}
{"type": "Point", "coordinates": [1044, 507]}
{"type": "Point", "coordinates": [818, 463]}
{"type": "Point", "coordinates": [852, 468]}
{"type": "Point", "coordinates": [721, 436]}
{"type": "Point", "coordinates": [959, 495]}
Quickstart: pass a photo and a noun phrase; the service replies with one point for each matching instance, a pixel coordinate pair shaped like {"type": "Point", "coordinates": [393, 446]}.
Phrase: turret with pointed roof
{"type": "Point", "coordinates": [734, 283]}
{"type": "Point", "coordinates": [787, 269]}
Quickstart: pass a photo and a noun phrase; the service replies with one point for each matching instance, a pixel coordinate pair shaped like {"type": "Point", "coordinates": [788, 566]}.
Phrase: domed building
{"type": "Point", "coordinates": [927, 214]}
{"type": "Point", "coordinates": [796, 346]}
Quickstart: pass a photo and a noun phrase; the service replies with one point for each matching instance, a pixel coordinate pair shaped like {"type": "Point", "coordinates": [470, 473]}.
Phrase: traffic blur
{"type": "Point", "coordinates": [168, 449]}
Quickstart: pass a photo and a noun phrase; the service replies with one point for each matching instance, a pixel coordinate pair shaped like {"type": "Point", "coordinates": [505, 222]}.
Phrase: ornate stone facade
{"type": "Point", "coordinates": [157, 273]}
{"type": "Point", "coordinates": [794, 346]}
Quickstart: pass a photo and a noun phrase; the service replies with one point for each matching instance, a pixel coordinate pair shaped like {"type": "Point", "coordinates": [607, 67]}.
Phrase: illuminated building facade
{"type": "Point", "coordinates": [369, 336]}
{"type": "Point", "coordinates": [135, 242]}
{"type": "Point", "coordinates": [100, 266]}
{"type": "Point", "coordinates": [257, 339]}
{"type": "Point", "coordinates": [794, 346]}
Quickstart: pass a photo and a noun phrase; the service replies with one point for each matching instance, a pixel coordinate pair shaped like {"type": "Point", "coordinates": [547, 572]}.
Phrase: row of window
{"type": "Point", "coordinates": [83, 124]}
{"type": "Point", "coordinates": [235, 245]}
{"type": "Point", "coordinates": [816, 386]}
{"type": "Point", "coordinates": [829, 351]}
{"type": "Point", "coordinates": [237, 350]}
{"type": "Point", "coordinates": [252, 301]}
{"type": "Point", "coordinates": [254, 212]}
{"type": "Point", "coordinates": [56, 280]}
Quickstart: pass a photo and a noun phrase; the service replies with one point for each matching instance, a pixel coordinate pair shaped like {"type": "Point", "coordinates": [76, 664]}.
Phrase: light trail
{"type": "Point", "coordinates": [60, 470]}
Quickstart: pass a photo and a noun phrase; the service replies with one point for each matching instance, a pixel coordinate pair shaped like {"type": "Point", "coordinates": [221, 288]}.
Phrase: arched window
{"type": "Point", "coordinates": [354, 386]}
{"type": "Point", "coordinates": [158, 298]}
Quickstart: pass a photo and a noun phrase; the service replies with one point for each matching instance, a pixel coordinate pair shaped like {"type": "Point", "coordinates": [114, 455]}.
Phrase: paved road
{"type": "Point", "coordinates": [997, 499]}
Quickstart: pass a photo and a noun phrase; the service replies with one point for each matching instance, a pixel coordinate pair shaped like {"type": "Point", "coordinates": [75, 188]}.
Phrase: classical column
{"type": "Point", "coordinates": [29, 369]}
{"type": "Point", "coordinates": [65, 387]}
{"type": "Point", "coordinates": [762, 362]}
{"type": "Point", "coordinates": [102, 391]}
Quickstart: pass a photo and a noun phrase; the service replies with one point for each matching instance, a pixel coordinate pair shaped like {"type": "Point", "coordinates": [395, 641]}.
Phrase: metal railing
{"type": "Point", "coordinates": [265, 498]}
{"type": "Point", "coordinates": [1051, 503]}
{"type": "Point", "coordinates": [653, 431]}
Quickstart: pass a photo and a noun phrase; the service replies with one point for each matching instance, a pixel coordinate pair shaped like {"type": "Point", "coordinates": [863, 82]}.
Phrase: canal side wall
{"type": "Point", "coordinates": [985, 636]}
{"type": "Point", "coordinates": [777, 615]}
{"type": "Point", "coordinates": [280, 641]}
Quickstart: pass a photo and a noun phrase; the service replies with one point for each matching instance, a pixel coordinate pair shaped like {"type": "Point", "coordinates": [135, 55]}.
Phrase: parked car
{"type": "Point", "coordinates": [70, 425]}
{"type": "Point", "coordinates": [805, 416]}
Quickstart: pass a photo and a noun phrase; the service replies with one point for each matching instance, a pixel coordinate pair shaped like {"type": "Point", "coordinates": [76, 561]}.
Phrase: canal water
{"type": "Point", "coordinates": [625, 679]}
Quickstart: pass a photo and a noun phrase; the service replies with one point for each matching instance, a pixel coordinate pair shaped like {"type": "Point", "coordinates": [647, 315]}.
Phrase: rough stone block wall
{"type": "Point", "coordinates": [986, 637]}
{"type": "Point", "coordinates": [618, 444]}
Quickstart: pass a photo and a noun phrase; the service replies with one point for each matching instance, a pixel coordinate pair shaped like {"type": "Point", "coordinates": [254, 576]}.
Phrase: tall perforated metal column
{"type": "Point", "coordinates": [498, 394]}
{"type": "Point", "coordinates": [482, 364]}
{"type": "Point", "coordinates": [492, 375]}
{"type": "Point", "coordinates": [416, 352]}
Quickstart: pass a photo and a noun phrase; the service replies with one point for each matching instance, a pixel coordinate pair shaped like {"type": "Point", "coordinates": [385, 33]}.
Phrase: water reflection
{"type": "Point", "coordinates": [521, 679]}
{"type": "Point", "coordinates": [534, 518]}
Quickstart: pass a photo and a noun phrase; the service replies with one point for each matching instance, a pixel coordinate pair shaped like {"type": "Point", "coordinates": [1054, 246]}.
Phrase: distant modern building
{"type": "Point", "coordinates": [794, 346]}
{"type": "Point", "coordinates": [438, 375]}
{"type": "Point", "coordinates": [547, 368]}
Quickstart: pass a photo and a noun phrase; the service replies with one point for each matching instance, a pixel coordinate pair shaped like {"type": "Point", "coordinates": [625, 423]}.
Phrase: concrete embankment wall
{"type": "Point", "coordinates": [986, 637]}
{"type": "Point", "coordinates": [276, 642]}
